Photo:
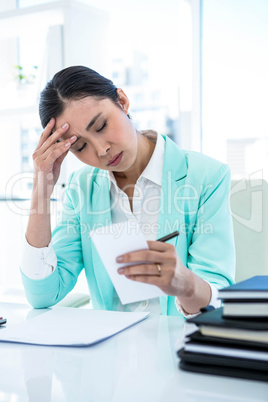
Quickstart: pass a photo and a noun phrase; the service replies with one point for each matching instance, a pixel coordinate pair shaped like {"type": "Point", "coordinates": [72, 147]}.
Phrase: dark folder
{"type": "Point", "coordinates": [252, 288]}
{"type": "Point", "coordinates": [214, 318]}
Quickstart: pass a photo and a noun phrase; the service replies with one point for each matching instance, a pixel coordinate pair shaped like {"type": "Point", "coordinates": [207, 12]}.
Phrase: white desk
{"type": "Point", "coordinates": [137, 365]}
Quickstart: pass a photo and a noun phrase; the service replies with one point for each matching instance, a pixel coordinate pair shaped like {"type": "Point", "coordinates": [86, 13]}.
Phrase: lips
{"type": "Point", "coordinates": [116, 159]}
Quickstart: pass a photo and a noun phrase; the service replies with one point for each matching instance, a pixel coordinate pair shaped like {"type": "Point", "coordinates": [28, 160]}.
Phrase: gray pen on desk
{"type": "Point", "coordinates": [169, 236]}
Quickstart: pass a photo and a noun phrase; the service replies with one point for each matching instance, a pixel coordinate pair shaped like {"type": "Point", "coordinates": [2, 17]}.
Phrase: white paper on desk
{"type": "Point", "coordinates": [63, 326]}
{"type": "Point", "coordinates": [114, 240]}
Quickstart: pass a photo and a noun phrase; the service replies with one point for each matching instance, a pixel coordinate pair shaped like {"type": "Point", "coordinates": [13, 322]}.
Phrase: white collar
{"type": "Point", "coordinates": [154, 169]}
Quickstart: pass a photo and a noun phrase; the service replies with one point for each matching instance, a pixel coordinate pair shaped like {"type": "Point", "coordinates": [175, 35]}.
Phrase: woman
{"type": "Point", "coordinates": [84, 113]}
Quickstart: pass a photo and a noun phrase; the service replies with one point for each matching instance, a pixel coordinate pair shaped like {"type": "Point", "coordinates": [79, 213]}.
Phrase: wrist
{"type": "Point", "coordinates": [43, 185]}
{"type": "Point", "coordinates": [189, 284]}
{"type": "Point", "coordinates": [197, 294]}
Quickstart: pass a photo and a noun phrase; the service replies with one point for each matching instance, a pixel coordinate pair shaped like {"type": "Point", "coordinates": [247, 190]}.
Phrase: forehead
{"type": "Point", "coordinates": [80, 112]}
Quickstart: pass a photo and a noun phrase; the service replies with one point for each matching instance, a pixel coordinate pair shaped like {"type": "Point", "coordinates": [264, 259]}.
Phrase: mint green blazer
{"type": "Point", "coordinates": [194, 201]}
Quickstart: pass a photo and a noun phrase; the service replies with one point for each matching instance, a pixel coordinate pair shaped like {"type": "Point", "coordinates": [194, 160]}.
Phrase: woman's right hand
{"type": "Point", "coordinates": [48, 157]}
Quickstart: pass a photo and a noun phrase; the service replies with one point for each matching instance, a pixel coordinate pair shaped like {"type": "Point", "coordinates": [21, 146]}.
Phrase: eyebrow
{"type": "Point", "coordinates": [88, 127]}
{"type": "Point", "coordinates": [93, 121]}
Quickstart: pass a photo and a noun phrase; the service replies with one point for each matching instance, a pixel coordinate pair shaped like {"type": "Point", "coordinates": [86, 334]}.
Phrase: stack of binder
{"type": "Point", "coordinates": [232, 340]}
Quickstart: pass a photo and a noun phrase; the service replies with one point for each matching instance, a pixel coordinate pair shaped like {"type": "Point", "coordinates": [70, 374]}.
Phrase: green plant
{"type": "Point", "coordinates": [22, 77]}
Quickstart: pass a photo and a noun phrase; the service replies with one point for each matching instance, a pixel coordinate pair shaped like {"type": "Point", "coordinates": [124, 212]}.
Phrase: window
{"type": "Point", "coordinates": [29, 3]}
{"type": "Point", "coordinates": [235, 84]}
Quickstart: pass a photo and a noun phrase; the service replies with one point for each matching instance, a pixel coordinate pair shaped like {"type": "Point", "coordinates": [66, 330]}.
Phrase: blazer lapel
{"type": "Point", "coordinates": [171, 215]}
{"type": "Point", "coordinates": [101, 217]}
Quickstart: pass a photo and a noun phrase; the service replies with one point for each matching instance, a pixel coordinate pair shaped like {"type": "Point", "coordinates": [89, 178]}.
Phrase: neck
{"type": "Point", "coordinates": [144, 153]}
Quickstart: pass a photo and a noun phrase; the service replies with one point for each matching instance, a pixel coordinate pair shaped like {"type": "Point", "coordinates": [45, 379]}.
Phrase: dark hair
{"type": "Point", "coordinates": [73, 83]}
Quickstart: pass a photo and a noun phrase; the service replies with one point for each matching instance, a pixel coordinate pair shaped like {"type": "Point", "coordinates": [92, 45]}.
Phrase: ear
{"type": "Point", "coordinates": [123, 100]}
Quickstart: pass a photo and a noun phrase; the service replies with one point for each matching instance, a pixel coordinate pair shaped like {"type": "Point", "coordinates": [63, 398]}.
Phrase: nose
{"type": "Point", "coordinates": [102, 148]}
{"type": "Point", "coordinates": [103, 152]}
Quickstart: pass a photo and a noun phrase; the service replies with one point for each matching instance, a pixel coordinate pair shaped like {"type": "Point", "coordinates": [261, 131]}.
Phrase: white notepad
{"type": "Point", "coordinates": [117, 239]}
{"type": "Point", "coordinates": [63, 326]}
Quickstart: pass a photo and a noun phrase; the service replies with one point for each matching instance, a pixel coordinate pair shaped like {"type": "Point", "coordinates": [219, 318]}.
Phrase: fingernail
{"type": "Point", "coordinates": [64, 125]}
{"type": "Point", "coordinates": [73, 137]}
{"type": "Point", "coordinates": [50, 121]}
{"type": "Point", "coordinates": [67, 144]}
{"type": "Point", "coordinates": [120, 270]}
{"type": "Point", "coordinates": [120, 258]}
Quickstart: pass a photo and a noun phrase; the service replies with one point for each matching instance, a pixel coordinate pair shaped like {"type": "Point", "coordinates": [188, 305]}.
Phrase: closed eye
{"type": "Point", "coordinates": [102, 127]}
{"type": "Point", "coordinates": [81, 149]}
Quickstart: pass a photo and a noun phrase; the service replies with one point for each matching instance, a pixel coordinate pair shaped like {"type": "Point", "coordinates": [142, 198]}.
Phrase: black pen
{"type": "Point", "coordinates": [168, 237]}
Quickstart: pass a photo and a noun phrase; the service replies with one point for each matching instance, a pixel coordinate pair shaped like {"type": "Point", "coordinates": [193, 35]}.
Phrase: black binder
{"type": "Point", "coordinates": [222, 370]}
{"type": "Point", "coordinates": [223, 361]}
{"type": "Point", "coordinates": [197, 337]}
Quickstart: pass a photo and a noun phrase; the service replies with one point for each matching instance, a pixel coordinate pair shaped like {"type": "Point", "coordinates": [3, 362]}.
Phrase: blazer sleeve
{"type": "Point", "coordinates": [211, 254]}
{"type": "Point", "coordinates": [66, 242]}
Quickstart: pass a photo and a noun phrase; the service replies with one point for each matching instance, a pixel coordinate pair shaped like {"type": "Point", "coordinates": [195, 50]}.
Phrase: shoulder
{"type": "Point", "coordinates": [82, 174]}
{"type": "Point", "coordinates": [204, 166]}
{"type": "Point", "coordinates": [81, 183]}
{"type": "Point", "coordinates": [194, 166]}
{"type": "Point", "coordinates": [86, 176]}
{"type": "Point", "coordinates": [208, 175]}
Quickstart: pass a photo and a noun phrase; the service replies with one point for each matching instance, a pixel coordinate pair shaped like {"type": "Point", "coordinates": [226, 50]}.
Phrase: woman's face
{"type": "Point", "coordinates": [106, 138]}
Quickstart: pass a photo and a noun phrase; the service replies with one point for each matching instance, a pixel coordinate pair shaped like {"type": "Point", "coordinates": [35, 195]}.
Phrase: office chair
{"type": "Point", "coordinates": [249, 209]}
